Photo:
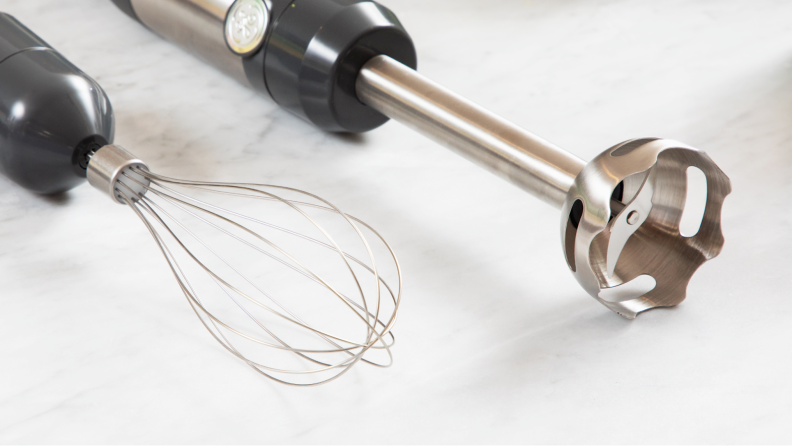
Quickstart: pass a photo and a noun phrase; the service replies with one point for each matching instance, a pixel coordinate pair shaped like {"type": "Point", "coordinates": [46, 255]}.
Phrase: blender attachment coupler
{"type": "Point", "coordinates": [350, 65]}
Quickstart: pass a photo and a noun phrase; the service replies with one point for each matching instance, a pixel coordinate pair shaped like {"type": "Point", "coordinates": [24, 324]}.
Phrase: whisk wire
{"type": "Point", "coordinates": [302, 267]}
{"type": "Point", "coordinates": [247, 243]}
{"type": "Point", "coordinates": [147, 205]}
{"type": "Point", "coordinates": [154, 177]}
{"type": "Point", "coordinates": [293, 233]}
{"type": "Point", "coordinates": [279, 228]}
{"type": "Point", "coordinates": [204, 205]}
{"type": "Point", "coordinates": [181, 278]}
{"type": "Point", "coordinates": [354, 351]}
{"type": "Point", "coordinates": [184, 283]}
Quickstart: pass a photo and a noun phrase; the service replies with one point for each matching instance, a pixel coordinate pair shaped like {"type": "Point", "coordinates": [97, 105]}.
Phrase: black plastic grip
{"type": "Point", "coordinates": [51, 113]}
{"type": "Point", "coordinates": [14, 37]}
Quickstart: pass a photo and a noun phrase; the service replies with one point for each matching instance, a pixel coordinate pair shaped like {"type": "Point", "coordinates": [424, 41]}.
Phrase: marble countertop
{"type": "Point", "coordinates": [497, 342]}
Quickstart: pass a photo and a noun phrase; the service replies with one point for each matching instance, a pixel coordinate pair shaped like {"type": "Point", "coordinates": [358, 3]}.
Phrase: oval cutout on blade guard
{"type": "Point", "coordinates": [695, 202]}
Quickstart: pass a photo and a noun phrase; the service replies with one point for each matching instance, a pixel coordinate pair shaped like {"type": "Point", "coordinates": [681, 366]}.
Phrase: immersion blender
{"type": "Point", "coordinates": [349, 66]}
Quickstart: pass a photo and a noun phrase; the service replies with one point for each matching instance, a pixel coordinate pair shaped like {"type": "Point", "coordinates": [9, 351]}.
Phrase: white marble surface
{"type": "Point", "coordinates": [496, 341]}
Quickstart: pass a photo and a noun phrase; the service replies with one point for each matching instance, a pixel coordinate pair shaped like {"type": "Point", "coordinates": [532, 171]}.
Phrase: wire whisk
{"type": "Point", "coordinates": [280, 293]}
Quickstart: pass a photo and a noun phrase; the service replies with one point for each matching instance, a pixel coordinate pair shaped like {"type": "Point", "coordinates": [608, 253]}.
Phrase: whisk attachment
{"type": "Point", "coordinates": [282, 279]}
{"type": "Point", "coordinates": [264, 292]}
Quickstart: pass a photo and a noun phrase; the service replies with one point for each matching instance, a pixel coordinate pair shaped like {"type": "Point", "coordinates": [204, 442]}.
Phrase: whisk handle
{"type": "Point", "coordinates": [51, 113]}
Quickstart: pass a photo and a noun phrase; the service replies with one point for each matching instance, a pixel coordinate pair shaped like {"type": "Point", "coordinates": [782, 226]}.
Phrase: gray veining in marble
{"type": "Point", "coordinates": [496, 341]}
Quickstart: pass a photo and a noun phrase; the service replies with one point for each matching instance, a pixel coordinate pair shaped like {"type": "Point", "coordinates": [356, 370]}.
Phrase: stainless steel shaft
{"type": "Point", "coordinates": [490, 141]}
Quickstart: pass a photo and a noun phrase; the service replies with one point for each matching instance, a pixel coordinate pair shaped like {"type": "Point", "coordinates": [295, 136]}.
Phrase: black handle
{"type": "Point", "coordinates": [51, 113]}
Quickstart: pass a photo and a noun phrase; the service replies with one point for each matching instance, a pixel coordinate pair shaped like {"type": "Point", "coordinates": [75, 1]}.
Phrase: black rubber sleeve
{"type": "Point", "coordinates": [315, 50]}
{"type": "Point", "coordinates": [51, 113]}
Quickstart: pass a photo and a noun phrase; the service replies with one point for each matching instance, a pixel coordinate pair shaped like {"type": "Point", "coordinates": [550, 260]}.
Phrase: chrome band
{"type": "Point", "coordinates": [198, 26]}
{"type": "Point", "coordinates": [106, 170]}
